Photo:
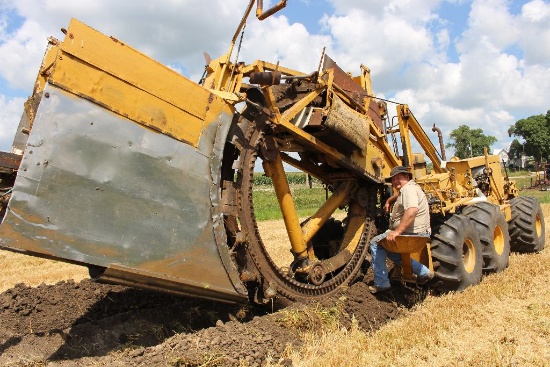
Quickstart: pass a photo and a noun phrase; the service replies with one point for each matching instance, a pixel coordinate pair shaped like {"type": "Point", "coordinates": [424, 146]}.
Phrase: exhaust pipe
{"type": "Point", "coordinates": [441, 145]}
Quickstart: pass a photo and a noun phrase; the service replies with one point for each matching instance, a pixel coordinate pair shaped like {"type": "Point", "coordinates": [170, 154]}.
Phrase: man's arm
{"type": "Point", "coordinates": [390, 201]}
{"type": "Point", "coordinates": [408, 218]}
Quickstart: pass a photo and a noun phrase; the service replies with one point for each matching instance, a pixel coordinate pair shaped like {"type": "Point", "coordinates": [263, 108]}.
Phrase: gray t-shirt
{"type": "Point", "coordinates": [411, 196]}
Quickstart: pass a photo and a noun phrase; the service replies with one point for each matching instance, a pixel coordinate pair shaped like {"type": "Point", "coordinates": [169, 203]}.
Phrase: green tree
{"type": "Point", "coordinates": [469, 142]}
{"type": "Point", "coordinates": [535, 130]}
{"type": "Point", "coordinates": [516, 150]}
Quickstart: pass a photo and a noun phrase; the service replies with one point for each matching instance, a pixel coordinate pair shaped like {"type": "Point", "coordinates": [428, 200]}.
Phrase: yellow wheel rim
{"type": "Point", "coordinates": [469, 256]}
{"type": "Point", "coordinates": [538, 225]}
{"type": "Point", "coordinates": [498, 240]}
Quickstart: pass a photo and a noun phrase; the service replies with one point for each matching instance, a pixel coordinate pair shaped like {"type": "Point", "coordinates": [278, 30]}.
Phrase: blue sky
{"type": "Point", "coordinates": [483, 63]}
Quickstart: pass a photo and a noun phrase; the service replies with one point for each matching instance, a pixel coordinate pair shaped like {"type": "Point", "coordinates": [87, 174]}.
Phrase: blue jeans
{"type": "Point", "coordinates": [379, 255]}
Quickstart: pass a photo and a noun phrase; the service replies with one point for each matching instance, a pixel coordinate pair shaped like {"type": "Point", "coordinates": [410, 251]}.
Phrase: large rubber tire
{"type": "Point", "coordinates": [526, 227]}
{"type": "Point", "coordinates": [493, 234]}
{"type": "Point", "coordinates": [456, 253]}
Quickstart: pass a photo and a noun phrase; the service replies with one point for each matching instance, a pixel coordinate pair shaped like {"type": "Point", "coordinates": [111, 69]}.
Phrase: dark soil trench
{"type": "Point", "coordinates": [86, 323]}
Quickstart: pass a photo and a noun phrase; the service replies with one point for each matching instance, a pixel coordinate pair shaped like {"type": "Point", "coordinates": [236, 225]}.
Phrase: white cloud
{"type": "Point", "coordinates": [174, 32]}
{"type": "Point", "coordinates": [21, 53]}
{"type": "Point", "coordinates": [275, 39]}
{"type": "Point", "coordinates": [443, 40]}
{"type": "Point", "coordinates": [535, 36]}
{"type": "Point", "coordinates": [10, 114]}
{"type": "Point", "coordinates": [387, 43]}
{"type": "Point", "coordinates": [490, 21]}
{"type": "Point", "coordinates": [536, 11]}
{"type": "Point", "coordinates": [501, 72]}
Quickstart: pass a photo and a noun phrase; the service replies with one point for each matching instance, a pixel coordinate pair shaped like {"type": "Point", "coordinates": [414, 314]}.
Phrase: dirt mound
{"type": "Point", "coordinates": [88, 323]}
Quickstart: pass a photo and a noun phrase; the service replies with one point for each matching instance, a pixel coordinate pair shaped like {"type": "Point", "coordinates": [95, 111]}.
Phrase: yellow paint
{"type": "Point", "coordinates": [276, 171]}
{"type": "Point", "coordinates": [259, 65]}
{"type": "Point", "coordinates": [301, 104]}
{"type": "Point", "coordinates": [317, 220]}
{"type": "Point", "coordinates": [355, 228]}
{"type": "Point", "coordinates": [408, 123]}
{"type": "Point", "coordinates": [48, 61]}
{"type": "Point", "coordinates": [129, 83]}
{"type": "Point", "coordinates": [506, 209]}
{"type": "Point", "coordinates": [538, 224]}
{"type": "Point", "coordinates": [410, 247]}
{"type": "Point", "coordinates": [499, 239]}
{"type": "Point", "coordinates": [469, 256]}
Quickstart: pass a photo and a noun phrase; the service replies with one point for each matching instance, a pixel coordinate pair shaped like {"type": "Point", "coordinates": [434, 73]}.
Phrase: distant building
{"type": "Point", "coordinates": [503, 154]}
{"type": "Point", "coordinates": [521, 162]}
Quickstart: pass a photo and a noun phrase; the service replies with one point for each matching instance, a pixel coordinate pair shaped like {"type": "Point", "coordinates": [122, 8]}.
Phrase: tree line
{"type": "Point", "coordinates": [533, 130]}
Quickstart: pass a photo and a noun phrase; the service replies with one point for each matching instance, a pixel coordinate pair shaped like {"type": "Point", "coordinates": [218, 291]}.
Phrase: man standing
{"type": "Point", "coordinates": [411, 216]}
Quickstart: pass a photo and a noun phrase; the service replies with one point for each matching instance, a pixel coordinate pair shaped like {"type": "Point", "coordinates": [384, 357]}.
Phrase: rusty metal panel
{"type": "Point", "coordinates": [354, 90]}
{"type": "Point", "coordinates": [374, 114]}
{"type": "Point", "coordinates": [344, 81]}
{"type": "Point", "coordinates": [95, 188]}
{"type": "Point", "coordinates": [9, 162]}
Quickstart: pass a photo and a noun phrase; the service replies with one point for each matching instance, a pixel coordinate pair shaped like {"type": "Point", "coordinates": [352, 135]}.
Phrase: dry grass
{"type": "Point", "coordinates": [504, 321]}
{"type": "Point", "coordinates": [18, 268]}
{"type": "Point", "coordinates": [275, 239]}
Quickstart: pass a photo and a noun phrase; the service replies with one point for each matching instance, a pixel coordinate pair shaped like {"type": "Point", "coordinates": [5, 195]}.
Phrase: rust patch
{"type": "Point", "coordinates": [344, 81]}
{"type": "Point", "coordinates": [374, 114]}
{"type": "Point", "coordinates": [9, 162]}
{"type": "Point", "coordinates": [116, 40]}
{"type": "Point", "coordinates": [316, 118]}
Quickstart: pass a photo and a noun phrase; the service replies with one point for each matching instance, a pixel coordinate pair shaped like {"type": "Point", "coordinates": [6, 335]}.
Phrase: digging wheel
{"type": "Point", "coordinates": [527, 225]}
{"type": "Point", "coordinates": [491, 225]}
{"type": "Point", "coordinates": [456, 252]}
{"type": "Point", "coordinates": [338, 258]}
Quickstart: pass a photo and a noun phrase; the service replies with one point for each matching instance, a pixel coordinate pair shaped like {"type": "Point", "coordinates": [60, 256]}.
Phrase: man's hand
{"type": "Point", "coordinates": [391, 236]}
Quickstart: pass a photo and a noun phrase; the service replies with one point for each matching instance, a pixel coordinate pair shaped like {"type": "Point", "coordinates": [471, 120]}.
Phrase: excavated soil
{"type": "Point", "coordinates": [75, 324]}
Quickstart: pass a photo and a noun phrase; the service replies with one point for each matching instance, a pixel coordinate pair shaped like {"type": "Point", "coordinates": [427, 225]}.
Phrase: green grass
{"type": "Point", "coordinates": [542, 196]}
{"type": "Point", "coordinates": [524, 182]}
{"type": "Point", "coordinates": [518, 173]}
{"type": "Point", "coordinates": [294, 178]}
{"type": "Point", "coordinates": [306, 200]}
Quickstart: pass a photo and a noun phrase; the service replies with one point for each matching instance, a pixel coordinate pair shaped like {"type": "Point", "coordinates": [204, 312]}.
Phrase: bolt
{"type": "Point", "coordinates": [247, 276]}
{"type": "Point", "coordinates": [47, 95]}
{"type": "Point", "coordinates": [240, 237]}
{"type": "Point", "coordinates": [270, 292]}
